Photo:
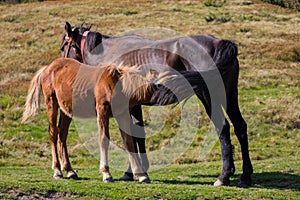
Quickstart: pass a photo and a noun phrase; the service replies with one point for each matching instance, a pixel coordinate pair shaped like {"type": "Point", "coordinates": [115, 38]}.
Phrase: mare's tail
{"type": "Point", "coordinates": [32, 104]}
{"type": "Point", "coordinates": [225, 52]}
{"type": "Point", "coordinates": [173, 88]}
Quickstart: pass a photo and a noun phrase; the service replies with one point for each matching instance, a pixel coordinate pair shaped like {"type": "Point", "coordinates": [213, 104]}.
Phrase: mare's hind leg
{"type": "Point", "coordinates": [52, 111]}
{"type": "Point", "coordinates": [140, 135]}
{"type": "Point", "coordinates": [125, 124]}
{"type": "Point", "coordinates": [63, 127]}
{"type": "Point", "coordinates": [239, 124]}
{"type": "Point", "coordinates": [240, 129]}
{"type": "Point", "coordinates": [216, 114]}
{"type": "Point", "coordinates": [139, 140]}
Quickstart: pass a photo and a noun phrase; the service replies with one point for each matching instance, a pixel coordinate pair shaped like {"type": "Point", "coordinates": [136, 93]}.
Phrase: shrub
{"type": "Point", "coordinates": [293, 4]}
{"type": "Point", "coordinates": [218, 17]}
{"type": "Point", "coordinates": [289, 54]}
{"type": "Point", "coordinates": [214, 3]}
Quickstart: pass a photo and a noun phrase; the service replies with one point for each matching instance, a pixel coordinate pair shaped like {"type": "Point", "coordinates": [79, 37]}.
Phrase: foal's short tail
{"type": "Point", "coordinates": [32, 104]}
{"type": "Point", "coordinates": [225, 52]}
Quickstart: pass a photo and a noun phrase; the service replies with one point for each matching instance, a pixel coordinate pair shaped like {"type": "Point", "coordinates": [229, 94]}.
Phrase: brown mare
{"type": "Point", "coordinates": [178, 53]}
{"type": "Point", "coordinates": [79, 90]}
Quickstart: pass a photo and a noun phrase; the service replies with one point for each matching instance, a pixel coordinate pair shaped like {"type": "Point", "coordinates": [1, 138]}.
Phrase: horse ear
{"type": "Point", "coordinates": [98, 37]}
{"type": "Point", "coordinates": [68, 29]}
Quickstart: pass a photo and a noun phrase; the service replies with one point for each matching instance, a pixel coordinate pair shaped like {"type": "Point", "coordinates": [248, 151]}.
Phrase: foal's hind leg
{"type": "Point", "coordinates": [63, 127]}
{"type": "Point", "coordinates": [52, 111]}
{"type": "Point", "coordinates": [240, 129]}
{"type": "Point", "coordinates": [216, 114]}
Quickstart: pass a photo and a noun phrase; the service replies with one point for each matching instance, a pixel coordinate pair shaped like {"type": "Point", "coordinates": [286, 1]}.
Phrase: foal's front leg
{"type": "Point", "coordinates": [103, 122]}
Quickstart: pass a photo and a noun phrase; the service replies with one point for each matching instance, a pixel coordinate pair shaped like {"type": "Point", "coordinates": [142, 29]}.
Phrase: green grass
{"type": "Point", "coordinates": [269, 99]}
{"type": "Point", "coordinates": [173, 182]}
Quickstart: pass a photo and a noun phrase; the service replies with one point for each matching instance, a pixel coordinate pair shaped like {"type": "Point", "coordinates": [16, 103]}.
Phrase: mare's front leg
{"type": "Point", "coordinates": [63, 128]}
{"type": "Point", "coordinates": [125, 126]}
{"type": "Point", "coordinates": [103, 128]}
{"type": "Point", "coordinates": [139, 140]}
{"type": "Point", "coordinates": [52, 111]}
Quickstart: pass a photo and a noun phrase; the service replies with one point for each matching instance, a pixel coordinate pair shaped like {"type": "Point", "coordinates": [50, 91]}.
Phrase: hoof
{"type": "Point", "coordinates": [219, 183]}
{"type": "Point", "coordinates": [57, 176]}
{"type": "Point", "coordinates": [144, 179]}
{"type": "Point", "coordinates": [127, 177]}
{"type": "Point", "coordinates": [72, 175]}
{"type": "Point", "coordinates": [108, 180]}
{"type": "Point", "coordinates": [245, 182]}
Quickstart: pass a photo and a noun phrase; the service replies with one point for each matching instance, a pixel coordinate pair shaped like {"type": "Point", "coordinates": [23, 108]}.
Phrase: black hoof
{"type": "Point", "coordinates": [245, 181]}
{"type": "Point", "coordinates": [127, 177]}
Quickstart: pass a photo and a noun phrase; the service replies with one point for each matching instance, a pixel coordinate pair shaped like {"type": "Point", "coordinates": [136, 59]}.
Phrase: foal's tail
{"type": "Point", "coordinates": [32, 104]}
{"type": "Point", "coordinates": [225, 52]}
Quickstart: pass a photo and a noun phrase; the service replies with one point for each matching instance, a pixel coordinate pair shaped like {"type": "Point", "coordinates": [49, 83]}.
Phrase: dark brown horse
{"type": "Point", "coordinates": [193, 53]}
{"type": "Point", "coordinates": [79, 90]}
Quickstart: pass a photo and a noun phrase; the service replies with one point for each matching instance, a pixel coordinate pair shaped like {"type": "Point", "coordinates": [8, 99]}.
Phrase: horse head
{"type": "Point", "coordinates": [77, 40]}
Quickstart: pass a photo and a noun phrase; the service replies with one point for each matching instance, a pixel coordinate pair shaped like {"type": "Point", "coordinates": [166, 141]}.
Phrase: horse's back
{"type": "Point", "coordinates": [73, 85]}
{"type": "Point", "coordinates": [200, 52]}
{"type": "Point", "coordinates": [135, 50]}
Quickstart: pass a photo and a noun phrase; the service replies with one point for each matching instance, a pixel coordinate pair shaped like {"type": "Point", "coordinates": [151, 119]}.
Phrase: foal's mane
{"type": "Point", "coordinates": [136, 81]}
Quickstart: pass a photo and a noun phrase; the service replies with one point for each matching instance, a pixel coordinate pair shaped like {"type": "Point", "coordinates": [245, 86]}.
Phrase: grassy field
{"type": "Point", "coordinates": [269, 86]}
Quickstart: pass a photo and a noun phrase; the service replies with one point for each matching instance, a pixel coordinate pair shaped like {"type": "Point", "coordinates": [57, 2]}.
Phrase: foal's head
{"type": "Point", "coordinates": [72, 45]}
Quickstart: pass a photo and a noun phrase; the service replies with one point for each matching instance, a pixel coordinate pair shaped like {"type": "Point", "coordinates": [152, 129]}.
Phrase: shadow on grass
{"type": "Point", "coordinates": [79, 179]}
{"type": "Point", "coordinates": [271, 180]}
{"type": "Point", "coordinates": [276, 180]}
{"type": "Point", "coordinates": [185, 182]}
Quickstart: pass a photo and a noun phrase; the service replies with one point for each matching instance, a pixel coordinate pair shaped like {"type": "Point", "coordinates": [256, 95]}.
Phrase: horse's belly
{"type": "Point", "coordinates": [83, 104]}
